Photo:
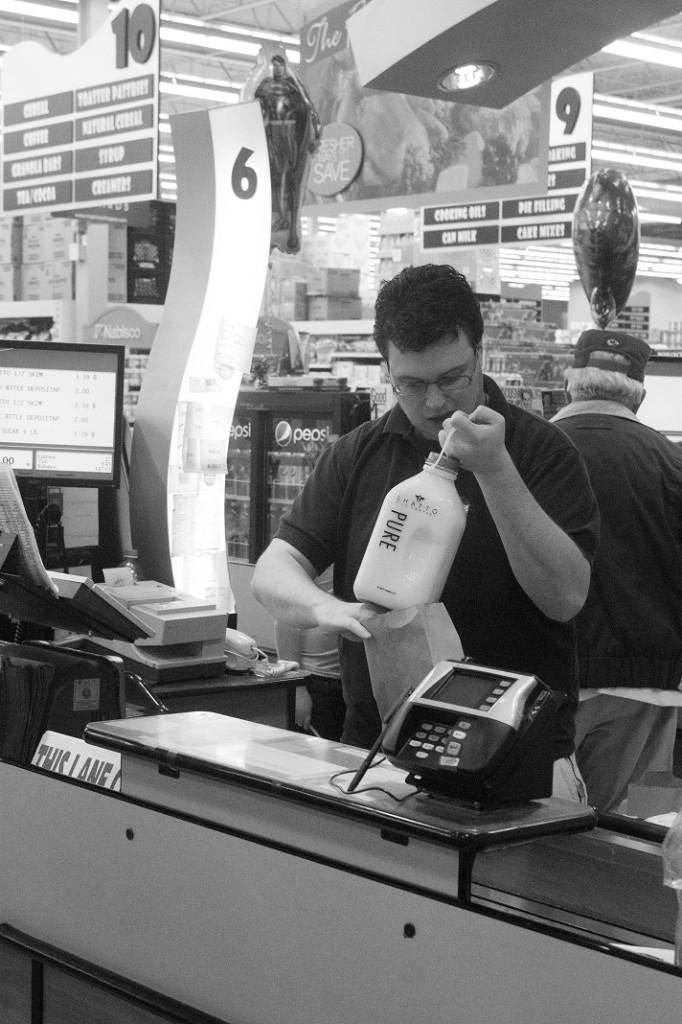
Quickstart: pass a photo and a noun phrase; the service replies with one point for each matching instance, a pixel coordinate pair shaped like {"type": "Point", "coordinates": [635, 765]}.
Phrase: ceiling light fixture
{"type": "Point", "coordinates": [466, 76]}
{"type": "Point", "coordinates": [657, 218]}
{"type": "Point", "coordinates": [224, 44]}
{"type": "Point", "coordinates": [41, 12]}
{"type": "Point", "coordinates": [606, 108]}
{"type": "Point", "coordinates": [251, 33]}
{"type": "Point", "coordinates": [198, 92]}
{"type": "Point", "coordinates": [644, 52]}
{"type": "Point", "coordinates": [651, 190]}
{"type": "Point", "coordinates": [636, 157]}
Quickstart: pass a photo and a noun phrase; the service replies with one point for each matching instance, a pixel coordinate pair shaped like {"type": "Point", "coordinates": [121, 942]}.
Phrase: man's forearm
{"type": "Point", "coordinates": [283, 582]}
{"type": "Point", "coordinates": [286, 588]}
{"type": "Point", "coordinates": [548, 565]}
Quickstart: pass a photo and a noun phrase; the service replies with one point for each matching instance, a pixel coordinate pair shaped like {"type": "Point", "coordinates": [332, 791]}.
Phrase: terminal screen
{"type": "Point", "coordinates": [463, 690]}
{"type": "Point", "coordinates": [61, 411]}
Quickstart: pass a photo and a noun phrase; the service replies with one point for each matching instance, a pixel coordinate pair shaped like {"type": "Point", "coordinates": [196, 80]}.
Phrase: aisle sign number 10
{"type": "Point", "coordinates": [135, 33]}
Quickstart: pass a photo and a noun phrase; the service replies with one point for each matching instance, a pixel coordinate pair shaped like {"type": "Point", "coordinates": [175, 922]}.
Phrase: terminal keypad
{"type": "Point", "coordinates": [439, 744]}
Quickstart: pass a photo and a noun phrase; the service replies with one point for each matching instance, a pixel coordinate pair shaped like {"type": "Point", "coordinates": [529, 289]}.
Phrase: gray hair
{"type": "Point", "coordinates": [588, 383]}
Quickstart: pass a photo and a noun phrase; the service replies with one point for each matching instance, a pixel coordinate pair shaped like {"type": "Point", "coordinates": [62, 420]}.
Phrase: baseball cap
{"type": "Point", "coordinates": [612, 350]}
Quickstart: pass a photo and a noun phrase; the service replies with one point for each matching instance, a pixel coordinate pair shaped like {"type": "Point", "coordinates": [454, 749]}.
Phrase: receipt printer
{"type": "Point", "coordinates": [476, 734]}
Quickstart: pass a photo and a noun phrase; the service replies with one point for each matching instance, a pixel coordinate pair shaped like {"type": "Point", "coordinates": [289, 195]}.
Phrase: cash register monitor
{"type": "Point", "coordinates": [61, 411]}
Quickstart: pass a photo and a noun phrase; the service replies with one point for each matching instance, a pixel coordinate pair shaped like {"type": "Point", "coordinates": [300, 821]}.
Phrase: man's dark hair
{"type": "Point", "coordinates": [420, 305]}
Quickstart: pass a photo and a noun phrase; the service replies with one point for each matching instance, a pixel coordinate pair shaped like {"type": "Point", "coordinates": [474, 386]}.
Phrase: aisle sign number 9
{"type": "Point", "coordinates": [567, 108]}
{"type": "Point", "coordinates": [571, 110]}
{"type": "Point", "coordinates": [135, 34]}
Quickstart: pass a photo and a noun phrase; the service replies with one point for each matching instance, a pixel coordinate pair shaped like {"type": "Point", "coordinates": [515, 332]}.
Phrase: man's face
{"type": "Point", "coordinates": [442, 362]}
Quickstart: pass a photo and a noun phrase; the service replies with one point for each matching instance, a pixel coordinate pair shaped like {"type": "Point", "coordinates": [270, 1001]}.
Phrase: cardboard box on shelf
{"type": "Point", "coordinates": [8, 282]}
{"type": "Point", "coordinates": [334, 281]}
{"type": "Point", "coordinates": [118, 243]}
{"type": "Point", "coordinates": [334, 307]}
{"type": "Point", "coordinates": [47, 239]}
{"type": "Point", "coordinates": [60, 276]}
{"type": "Point", "coordinates": [291, 299]}
{"type": "Point", "coordinates": [33, 282]}
{"type": "Point", "coordinates": [47, 280]}
{"type": "Point", "coordinates": [10, 240]}
{"type": "Point", "coordinates": [117, 281]}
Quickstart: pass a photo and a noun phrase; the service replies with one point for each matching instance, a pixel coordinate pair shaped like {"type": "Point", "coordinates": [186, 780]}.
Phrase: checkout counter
{"type": "Point", "coordinates": [244, 874]}
{"type": "Point", "coordinates": [233, 878]}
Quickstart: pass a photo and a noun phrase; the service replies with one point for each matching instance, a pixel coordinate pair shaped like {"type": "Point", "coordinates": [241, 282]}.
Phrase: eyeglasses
{"type": "Point", "coordinates": [449, 383]}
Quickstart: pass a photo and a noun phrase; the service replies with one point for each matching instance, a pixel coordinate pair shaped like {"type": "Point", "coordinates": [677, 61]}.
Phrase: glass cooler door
{"type": "Point", "coordinates": [294, 445]}
{"type": "Point", "coordinates": [238, 489]}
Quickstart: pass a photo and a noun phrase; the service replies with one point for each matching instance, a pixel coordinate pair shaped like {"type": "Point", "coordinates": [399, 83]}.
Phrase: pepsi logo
{"type": "Point", "coordinates": [283, 433]}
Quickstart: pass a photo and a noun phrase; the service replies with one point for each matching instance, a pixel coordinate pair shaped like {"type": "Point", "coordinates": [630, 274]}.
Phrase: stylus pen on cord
{"type": "Point", "coordinates": [354, 782]}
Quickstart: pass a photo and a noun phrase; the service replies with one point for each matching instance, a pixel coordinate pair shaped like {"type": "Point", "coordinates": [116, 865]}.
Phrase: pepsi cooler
{"type": "Point", "coordinates": [275, 441]}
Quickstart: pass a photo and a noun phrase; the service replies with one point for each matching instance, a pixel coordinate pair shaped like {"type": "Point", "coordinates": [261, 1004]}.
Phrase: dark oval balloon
{"type": "Point", "coordinates": [606, 242]}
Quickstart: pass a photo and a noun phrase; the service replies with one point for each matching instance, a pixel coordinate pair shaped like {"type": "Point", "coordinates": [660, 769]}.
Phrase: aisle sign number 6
{"type": "Point", "coordinates": [244, 178]}
{"type": "Point", "coordinates": [135, 33]}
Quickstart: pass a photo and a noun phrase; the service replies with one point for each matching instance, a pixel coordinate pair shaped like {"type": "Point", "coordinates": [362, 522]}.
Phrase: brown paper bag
{"type": "Point", "coordinates": [404, 646]}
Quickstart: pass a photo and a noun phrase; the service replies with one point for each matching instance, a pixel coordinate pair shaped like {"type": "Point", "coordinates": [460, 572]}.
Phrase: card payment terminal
{"type": "Point", "coordinates": [476, 734]}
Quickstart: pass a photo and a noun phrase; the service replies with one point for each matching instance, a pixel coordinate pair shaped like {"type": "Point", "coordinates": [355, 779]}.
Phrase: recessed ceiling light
{"type": "Point", "coordinates": [467, 76]}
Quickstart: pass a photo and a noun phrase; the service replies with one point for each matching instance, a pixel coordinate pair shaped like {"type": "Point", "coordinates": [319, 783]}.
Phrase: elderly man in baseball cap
{"type": "Point", "coordinates": [630, 628]}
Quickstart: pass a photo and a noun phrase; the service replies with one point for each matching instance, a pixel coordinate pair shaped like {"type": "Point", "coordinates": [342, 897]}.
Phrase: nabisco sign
{"type": "Point", "coordinates": [121, 326]}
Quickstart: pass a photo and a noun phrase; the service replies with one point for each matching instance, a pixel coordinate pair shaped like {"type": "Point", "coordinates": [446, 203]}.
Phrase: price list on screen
{"type": "Point", "coordinates": [60, 417]}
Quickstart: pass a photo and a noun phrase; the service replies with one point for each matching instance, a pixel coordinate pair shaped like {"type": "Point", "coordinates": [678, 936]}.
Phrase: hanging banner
{"type": "Point", "coordinates": [81, 130]}
{"type": "Point", "coordinates": [415, 149]}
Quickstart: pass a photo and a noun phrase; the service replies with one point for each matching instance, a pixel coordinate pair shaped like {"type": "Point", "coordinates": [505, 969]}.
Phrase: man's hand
{"type": "Point", "coordinates": [283, 582]}
{"type": "Point", "coordinates": [476, 441]}
{"type": "Point", "coordinates": [345, 618]}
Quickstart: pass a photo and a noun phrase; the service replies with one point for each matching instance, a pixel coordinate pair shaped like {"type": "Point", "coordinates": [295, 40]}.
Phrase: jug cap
{"type": "Point", "coordinates": [448, 463]}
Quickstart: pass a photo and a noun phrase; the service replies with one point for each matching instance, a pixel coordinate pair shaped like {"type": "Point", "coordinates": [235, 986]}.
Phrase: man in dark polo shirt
{"type": "Point", "coordinates": [522, 570]}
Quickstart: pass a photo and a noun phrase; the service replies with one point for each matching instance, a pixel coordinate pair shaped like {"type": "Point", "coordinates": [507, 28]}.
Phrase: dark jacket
{"type": "Point", "coordinates": [630, 629]}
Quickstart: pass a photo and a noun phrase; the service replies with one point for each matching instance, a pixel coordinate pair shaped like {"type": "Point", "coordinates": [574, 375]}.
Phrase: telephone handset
{"type": "Point", "coordinates": [241, 651]}
{"type": "Point", "coordinates": [242, 654]}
